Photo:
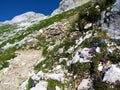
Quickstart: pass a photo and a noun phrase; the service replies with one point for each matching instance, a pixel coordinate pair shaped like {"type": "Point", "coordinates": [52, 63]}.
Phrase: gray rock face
{"type": "Point", "coordinates": [111, 20]}
{"type": "Point", "coordinates": [67, 5]}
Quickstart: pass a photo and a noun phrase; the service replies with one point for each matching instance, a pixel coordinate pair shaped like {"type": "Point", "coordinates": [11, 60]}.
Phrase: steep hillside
{"type": "Point", "coordinates": [68, 51]}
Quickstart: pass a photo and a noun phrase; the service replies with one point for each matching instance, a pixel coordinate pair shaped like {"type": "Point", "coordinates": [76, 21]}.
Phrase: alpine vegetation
{"type": "Point", "coordinates": [73, 49]}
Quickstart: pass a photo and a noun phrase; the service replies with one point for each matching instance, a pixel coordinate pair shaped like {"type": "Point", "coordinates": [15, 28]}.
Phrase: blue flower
{"type": "Point", "coordinates": [116, 82]}
{"type": "Point", "coordinates": [97, 77]}
{"type": "Point", "coordinates": [96, 44]}
{"type": "Point", "coordinates": [32, 84]}
{"type": "Point", "coordinates": [106, 69]}
{"type": "Point", "coordinates": [103, 42]}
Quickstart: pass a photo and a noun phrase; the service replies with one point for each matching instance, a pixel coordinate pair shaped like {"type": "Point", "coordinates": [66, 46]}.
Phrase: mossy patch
{"type": "Point", "coordinates": [53, 83]}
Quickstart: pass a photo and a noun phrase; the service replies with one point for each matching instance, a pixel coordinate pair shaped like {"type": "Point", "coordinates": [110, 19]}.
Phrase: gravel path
{"type": "Point", "coordinates": [20, 68]}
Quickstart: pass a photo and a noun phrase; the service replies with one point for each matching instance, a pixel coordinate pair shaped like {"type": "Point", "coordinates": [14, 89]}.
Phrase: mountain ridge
{"type": "Point", "coordinates": [66, 5]}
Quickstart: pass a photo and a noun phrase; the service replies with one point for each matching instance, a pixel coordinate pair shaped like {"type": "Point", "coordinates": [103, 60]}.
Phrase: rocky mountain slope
{"type": "Point", "coordinates": [68, 51]}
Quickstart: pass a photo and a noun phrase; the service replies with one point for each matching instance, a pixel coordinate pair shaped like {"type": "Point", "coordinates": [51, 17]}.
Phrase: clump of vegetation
{"type": "Point", "coordinates": [90, 42]}
{"type": "Point", "coordinates": [53, 83]}
{"type": "Point", "coordinates": [64, 63]}
{"type": "Point", "coordinates": [106, 3]}
{"type": "Point", "coordinates": [68, 43]}
{"type": "Point", "coordinates": [90, 14]}
{"type": "Point", "coordinates": [4, 65]}
{"type": "Point", "coordinates": [7, 28]}
{"type": "Point", "coordinates": [98, 84]}
{"type": "Point", "coordinates": [114, 57]}
{"type": "Point", "coordinates": [29, 85]}
{"type": "Point", "coordinates": [79, 68]}
{"type": "Point", "coordinates": [48, 65]}
{"type": "Point", "coordinates": [7, 54]}
{"type": "Point", "coordinates": [45, 51]}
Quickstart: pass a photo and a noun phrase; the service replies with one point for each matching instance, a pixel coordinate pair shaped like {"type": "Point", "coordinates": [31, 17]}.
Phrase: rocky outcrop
{"type": "Point", "coordinates": [111, 20]}
{"type": "Point", "coordinates": [67, 5]}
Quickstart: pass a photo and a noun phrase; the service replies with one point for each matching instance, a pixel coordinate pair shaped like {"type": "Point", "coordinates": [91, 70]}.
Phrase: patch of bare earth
{"type": "Point", "coordinates": [20, 68]}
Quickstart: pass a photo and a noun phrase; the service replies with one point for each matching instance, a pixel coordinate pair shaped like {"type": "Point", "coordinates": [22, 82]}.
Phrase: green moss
{"type": "Point", "coordinates": [4, 65]}
{"type": "Point", "coordinates": [53, 83]}
{"type": "Point", "coordinates": [7, 54]}
{"type": "Point", "coordinates": [114, 57]}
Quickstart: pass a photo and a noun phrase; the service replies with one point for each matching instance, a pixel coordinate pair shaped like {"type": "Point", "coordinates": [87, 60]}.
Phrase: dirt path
{"type": "Point", "coordinates": [21, 67]}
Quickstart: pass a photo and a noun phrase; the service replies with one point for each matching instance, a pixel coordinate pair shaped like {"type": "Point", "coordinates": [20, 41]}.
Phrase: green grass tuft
{"type": "Point", "coordinates": [53, 83]}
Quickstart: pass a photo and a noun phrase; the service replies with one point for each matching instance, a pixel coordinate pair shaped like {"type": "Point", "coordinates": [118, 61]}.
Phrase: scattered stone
{"type": "Point", "coordinates": [50, 48]}
{"type": "Point", "coordinates": [61, 50]}
{"type": "Point", "coordinates": [57, 88]}
{"type": "Point", "coordinates": [112, 74]}
{"type": "Point", "coordinates": [98, 49]}
{"type": "Point", "coordinates": [85, 84]}
{"type": "Point", "coordinates": [70, 50]}
{"type": "Point", "coordinates": [62, 59]}
{"type": "Point", "coordinates": [87, 26]}
{"type": "Point", "coordinates": [100, 67]}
